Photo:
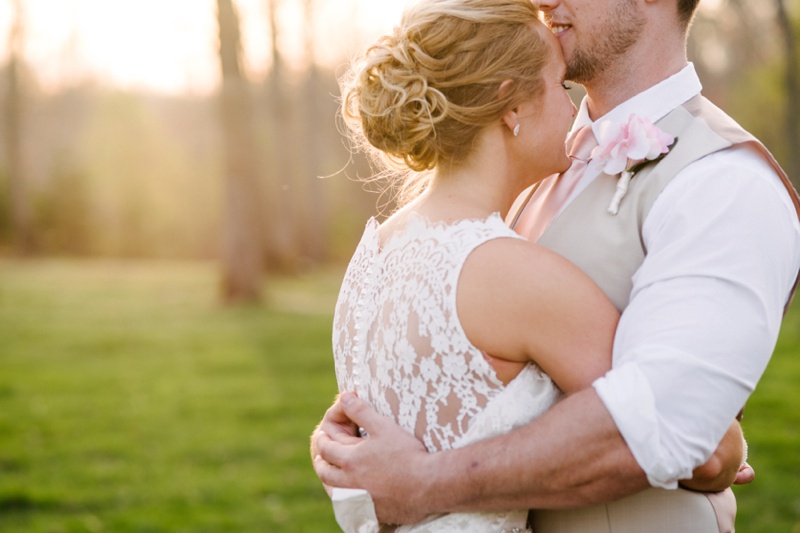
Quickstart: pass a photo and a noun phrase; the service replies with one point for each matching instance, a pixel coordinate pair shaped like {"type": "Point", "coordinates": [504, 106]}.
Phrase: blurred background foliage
{"type": "Point", "coordinates": [93, 170]}
{"type": "Point", "coordinates": [89, 169]}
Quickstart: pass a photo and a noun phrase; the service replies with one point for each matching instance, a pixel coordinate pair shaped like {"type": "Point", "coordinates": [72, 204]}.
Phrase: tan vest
{"type": "Point", "coordinates": [610, 253]}
{"type": "Point", "coordinates": [613, 250]}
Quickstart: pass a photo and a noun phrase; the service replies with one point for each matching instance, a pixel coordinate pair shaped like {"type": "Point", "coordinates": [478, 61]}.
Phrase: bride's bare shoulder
{"type": "Point", "coordinates": [519, 258]}
{"type": "Point", "coordinates": [518, 274]}
{"type": "Point", "coordinates": [520, 301]}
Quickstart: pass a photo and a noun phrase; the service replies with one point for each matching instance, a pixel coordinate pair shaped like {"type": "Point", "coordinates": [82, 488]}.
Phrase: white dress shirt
{"type": "Point", "coordinates": [723, 250]}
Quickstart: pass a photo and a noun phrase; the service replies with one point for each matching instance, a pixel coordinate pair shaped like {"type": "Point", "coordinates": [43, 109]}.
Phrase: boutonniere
{"type": "Point", "coordinates": [624, 149]}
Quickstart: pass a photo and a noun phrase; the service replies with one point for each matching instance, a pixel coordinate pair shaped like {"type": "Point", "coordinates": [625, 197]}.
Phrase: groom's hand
{"type": "Point", "coordinates": [389, 464]}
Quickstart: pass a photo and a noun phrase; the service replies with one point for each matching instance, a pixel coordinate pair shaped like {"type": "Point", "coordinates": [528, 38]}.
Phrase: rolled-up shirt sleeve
{"type": "Point", "coordinates": [723, 251]}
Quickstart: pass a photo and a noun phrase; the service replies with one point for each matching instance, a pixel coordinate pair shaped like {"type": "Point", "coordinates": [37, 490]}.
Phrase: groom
{"type": "Point", "coordinates": [701, 255]}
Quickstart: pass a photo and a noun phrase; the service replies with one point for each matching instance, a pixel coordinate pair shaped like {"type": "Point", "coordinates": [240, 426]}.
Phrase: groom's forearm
{"type": "Point", "coordinates": [571, 456]}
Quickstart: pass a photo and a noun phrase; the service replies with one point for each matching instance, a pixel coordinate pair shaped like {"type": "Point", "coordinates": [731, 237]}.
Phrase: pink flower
{"type": "Point", "coordinates": [624, 146]}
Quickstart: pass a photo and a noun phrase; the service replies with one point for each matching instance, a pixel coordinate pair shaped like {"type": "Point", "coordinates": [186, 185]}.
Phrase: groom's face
{"type": "Point", "coordinates": [593, 34]}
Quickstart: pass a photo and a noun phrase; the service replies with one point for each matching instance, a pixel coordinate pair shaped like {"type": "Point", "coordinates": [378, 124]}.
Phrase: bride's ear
{"type": "Point", "coordinates": [509, 117]}
{"type": "Point", "coordinates": [504, 89]}
{"type": "Point", "coordinates": [511, 121]}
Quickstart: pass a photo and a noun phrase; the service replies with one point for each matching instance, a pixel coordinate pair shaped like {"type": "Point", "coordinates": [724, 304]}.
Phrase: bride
{"type": "Point", "coordinates": [447, 321]}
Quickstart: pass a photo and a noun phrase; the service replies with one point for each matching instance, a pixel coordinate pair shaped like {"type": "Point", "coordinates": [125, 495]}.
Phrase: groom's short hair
{"type": "Point", "coordinates": [686, 11]}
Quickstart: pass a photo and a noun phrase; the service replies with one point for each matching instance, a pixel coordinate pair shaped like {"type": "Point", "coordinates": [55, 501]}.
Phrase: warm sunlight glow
{"type": "Point", "coordinates": [170, 45]}
{"type": "Point", "coordinates": [164, 46]}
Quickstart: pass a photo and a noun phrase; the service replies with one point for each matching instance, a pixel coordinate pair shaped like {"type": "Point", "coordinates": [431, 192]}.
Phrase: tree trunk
{"type": "Point", "coordinates": [243, 244]}
{"type": "Point", "coordinates": [21, 217]}
{"type": "Point", "coordinates": [315, 226]}
{"type": "Point", "coordinates": [282, 228]}
{"type": "Point", "coordinates": [748, 41]}
{"type": "Point", "coordinates": [792, 81]}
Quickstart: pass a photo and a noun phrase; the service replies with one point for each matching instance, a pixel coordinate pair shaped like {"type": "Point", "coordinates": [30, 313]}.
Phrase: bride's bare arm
{"type": "Point", "coordinates": [536, 304]}
{"type": "Point", "coordinates": [519, 302]}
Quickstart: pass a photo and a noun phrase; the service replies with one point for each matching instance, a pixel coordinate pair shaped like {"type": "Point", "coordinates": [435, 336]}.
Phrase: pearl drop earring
{"type": "Point", "coordinates": [516, 130]}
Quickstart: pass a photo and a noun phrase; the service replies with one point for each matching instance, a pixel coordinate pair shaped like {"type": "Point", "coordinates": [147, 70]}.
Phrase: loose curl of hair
{"type": "Point", "coordinates": [418, 98]}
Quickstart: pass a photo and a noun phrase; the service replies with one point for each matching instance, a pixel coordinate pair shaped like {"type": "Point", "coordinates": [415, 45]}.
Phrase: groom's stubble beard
{"type": "Point", "coordinates": [593, 56]}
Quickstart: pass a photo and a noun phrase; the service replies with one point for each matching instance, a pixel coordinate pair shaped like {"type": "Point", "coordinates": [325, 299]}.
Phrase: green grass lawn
{"type": "Point", "coordinates": [131, 402]}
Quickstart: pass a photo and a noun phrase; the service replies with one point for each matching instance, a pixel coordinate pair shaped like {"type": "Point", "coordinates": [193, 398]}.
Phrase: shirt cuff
{"type": "Point", "coordinates": [626, 393]}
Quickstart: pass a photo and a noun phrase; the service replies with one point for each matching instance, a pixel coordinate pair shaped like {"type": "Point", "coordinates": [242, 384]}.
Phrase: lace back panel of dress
{"type": "Point", "coordinates": [397, 338]}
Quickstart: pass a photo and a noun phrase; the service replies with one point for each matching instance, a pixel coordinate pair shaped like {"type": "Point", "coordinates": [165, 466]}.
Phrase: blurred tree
{"type": "Point", "coordinates": [63, 215]}
{"type": "Point", "coordinates": [792, 81]}
{"type": "Point", "coordinates": [314, 227]}
{"type": "Point", "coordinates": [746, 67]}
{"type": "Point", "coordinates": [242, 236]}
{"type": "Point", "coordinates": [281, 234]}
{"type": "Point", "coordinates": [22, 234]}
{"type": "Point", "coordinates": [142, 190]}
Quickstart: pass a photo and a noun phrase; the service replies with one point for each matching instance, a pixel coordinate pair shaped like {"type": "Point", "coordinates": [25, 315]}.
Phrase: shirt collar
{"type": "Point", "coordinates": [654, 103]}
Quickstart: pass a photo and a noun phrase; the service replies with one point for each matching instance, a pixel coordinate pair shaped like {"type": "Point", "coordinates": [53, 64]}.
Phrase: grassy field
{"type": "Point", "coordinates": [131, 402]}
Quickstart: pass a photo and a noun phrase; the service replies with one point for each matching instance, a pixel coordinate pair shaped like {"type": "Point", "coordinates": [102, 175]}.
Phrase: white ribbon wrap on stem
{"type": "Point", "coordinates": [622, 188]}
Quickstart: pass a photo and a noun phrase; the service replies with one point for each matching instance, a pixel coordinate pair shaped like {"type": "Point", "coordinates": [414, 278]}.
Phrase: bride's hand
{"type": "Point", "coordinates": [745, 475]}
{"type": "Point", "coordinates": [726, 467]}
{"type": "Point", "coordinates": [390, 464]}
{"type": "Point", "coordinates": [334, 424]}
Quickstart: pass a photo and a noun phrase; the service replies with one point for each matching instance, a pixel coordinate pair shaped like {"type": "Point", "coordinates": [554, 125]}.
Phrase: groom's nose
{"type": "Point", "coordinates": [547, 5]}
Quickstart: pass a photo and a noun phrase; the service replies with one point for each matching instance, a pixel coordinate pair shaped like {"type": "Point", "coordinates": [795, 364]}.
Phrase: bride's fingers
{"type": "Point", "coordinates": [331, 475]}
{"type": "Point", "coordinates": [345, 438]}
{"type": "Point", "coordinates": [745, 475]}
{"type": "Point", "coordinates": [336, 413]}
{"type": "Point", "coordinates": [335, 452]}
{"type": "Point", "coordinates": [330, 432]}
{"type": "Point", "coordinates": [334, 424]}
{"type": "Point", "coordinates": [324, 471]}
{"type": "Point", "coordinates": [336, 421]}
{"type": "Point", "coordinates": [363, 415]}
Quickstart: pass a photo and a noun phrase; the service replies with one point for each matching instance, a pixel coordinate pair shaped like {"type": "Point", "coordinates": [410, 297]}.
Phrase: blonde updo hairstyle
{"type": "Point", "coordinates": [418, 98]}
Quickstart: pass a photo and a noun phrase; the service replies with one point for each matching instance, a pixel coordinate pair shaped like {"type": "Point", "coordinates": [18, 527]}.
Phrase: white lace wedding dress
{"type": "Point", "coordinates": [398, 343]}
